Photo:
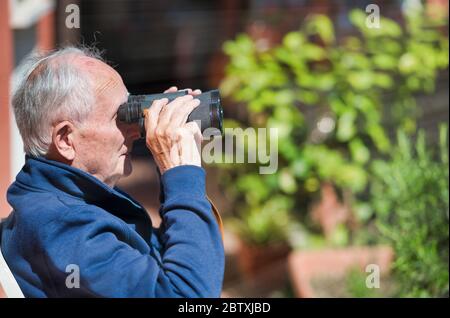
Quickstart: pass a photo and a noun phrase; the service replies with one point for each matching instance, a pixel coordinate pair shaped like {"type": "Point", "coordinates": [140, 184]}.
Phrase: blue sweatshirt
{"type": "Point", "coordinates": [66, 221]}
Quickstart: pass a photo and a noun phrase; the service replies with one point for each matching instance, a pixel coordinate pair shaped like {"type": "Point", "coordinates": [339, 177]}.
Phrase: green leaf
{"type": "Point", "coordinates": [408, 63]}
{"type": "Point", "coordinates": [299, 167]}
{"type": "Point", "coordinates": [287, 181]}
{"type": "Point", "coordinates": [360, 153]}
{"type": "Point", "coordinates": [313, 52]}
{"type": "Point", "coordinates": [383, 80]}
{"type": "Point", "coordinates": [243, 45]}
{"type": "Point", "coordinates": [378, 135]}
{"type": "Point", "coordinates": [358, 18]}
{"type": "Point", "coordinates": [293, 41]}
{"type": "Point", "coordinates": [308, 97]}
{"type": "Point", "coordinates": [346, 126]}
{"type": "Point", "coordinates": [385, 61]}
{"type": "Point", "coordinates": [361, 80]}
{"type": "Point", "coordinates": [340, 236]}
{"type": "Point", "coordinates": [320, 24]}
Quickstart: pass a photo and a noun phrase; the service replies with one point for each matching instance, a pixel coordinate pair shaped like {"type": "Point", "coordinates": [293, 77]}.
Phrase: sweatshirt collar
{"type": "Point", "coordinates": [43, 174]}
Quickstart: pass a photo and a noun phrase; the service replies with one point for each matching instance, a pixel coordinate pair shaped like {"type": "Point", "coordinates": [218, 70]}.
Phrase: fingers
{"type": "Point", "coordinates": [171, 140]}
{"type": "Point", "coordinates": [180, 118]}
{"type": "Point", "coordinates": [174, 106]}
{"type": "Point", "coordinates": [172, 89]}
{"type": "Point", "coordinates": [191, 92]}
{"type": "Point", "coordinates": [162, 116]}
{"type": "Point", "coordinates": [152, 116]}
{"type": "Point", "coordinates": [176, 113]}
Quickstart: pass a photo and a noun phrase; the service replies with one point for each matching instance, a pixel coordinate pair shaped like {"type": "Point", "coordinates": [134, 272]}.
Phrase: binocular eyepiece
{"type": "Point", "coordinates": [208, 114]}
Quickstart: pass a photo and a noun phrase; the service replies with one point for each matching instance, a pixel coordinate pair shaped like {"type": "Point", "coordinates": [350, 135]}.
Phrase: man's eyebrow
{"type": "Point", "coordinates": [126, 100]}
{"type": "Point", "coordinates": [121, 103]}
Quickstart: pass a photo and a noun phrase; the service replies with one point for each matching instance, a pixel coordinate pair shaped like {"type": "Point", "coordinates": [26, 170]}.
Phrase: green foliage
{"type": "Point", "coordinates": [411, 199]}
{"type": "Point", "coordinates": [356, 286]}
{"type": "Point", "coordinates": [265, 224]}
{"type": "Point", "coordinates": [355, 283]}
{"type": "Point", "coordinates": [348, 81]}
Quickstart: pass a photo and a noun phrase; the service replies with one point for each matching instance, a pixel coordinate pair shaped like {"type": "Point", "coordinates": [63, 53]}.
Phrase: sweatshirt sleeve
{"type": "Point", "coordinates": [190, 235]}
{"type": "Point", "coordinates": [192, 255]}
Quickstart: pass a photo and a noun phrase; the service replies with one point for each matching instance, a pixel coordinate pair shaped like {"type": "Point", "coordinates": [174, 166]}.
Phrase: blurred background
{"type": "Point", "coordinates": [359, 204]}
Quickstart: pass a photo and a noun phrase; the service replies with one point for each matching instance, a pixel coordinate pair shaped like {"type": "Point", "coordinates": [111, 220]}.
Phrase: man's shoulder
{"type": "Point", "coordinates": [40, 212]}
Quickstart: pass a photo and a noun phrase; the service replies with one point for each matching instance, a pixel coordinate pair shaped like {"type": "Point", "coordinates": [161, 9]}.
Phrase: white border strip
{"type": "Point", "coordinates": [7, 280]}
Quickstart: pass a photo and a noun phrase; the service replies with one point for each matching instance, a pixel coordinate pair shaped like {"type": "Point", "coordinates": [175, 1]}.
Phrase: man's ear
{"type": "Point", "coordinates": [63, 140]}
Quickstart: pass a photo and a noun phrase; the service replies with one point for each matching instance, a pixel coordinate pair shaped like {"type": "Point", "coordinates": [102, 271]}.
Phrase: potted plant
{"type": "Point", "coordinates": [330, 99]}
{"type": "Point", "coordinates": [410, 197]}
{"type": "Point", "coordinates": [263, 236]}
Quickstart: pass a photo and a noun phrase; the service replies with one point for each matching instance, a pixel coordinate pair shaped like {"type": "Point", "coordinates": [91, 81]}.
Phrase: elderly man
{"type": "Point", "coordinates": [72, 233]}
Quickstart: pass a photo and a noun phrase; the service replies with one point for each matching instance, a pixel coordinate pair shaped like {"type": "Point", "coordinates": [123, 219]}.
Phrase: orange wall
{"type": "Point", "coordinates": [46, 32]}
{"type": "Point", "coordinates": [6, 65]}
{"type": "Point", "coordinates": [45, 39]}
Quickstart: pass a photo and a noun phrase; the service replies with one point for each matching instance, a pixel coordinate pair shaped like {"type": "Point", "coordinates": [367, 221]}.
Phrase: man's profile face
{"type": "Point", "coordinates": [102, 143]}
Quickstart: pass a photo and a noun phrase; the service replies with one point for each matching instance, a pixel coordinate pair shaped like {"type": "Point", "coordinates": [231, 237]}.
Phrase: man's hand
{"type": "Point", "coordinates": [172, 141]}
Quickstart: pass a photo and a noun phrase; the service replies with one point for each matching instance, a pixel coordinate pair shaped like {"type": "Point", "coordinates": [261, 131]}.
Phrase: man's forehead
{"type": "Point", "coordinates": [100, 71]}
{"type": "Point", "coordinates": [106, 79]}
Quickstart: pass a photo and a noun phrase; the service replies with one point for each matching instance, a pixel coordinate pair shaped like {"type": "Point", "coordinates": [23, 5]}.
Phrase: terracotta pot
{"type": "Point", "coordinates": [254, 259]}
{"type": "Point", "coordinates": [329, 212]}
{"type": "Point", "coordinates": [306, 265]}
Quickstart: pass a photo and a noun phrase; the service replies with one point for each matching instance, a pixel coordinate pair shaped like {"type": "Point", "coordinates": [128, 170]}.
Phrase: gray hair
{"type": "Point", "coordinates": [51, 88]}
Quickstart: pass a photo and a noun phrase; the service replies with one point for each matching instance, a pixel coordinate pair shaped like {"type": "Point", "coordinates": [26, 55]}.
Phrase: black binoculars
{"type": "Point", "coordinates": [208, 114]}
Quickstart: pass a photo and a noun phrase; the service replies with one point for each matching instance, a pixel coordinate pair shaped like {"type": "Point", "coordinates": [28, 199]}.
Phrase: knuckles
{"type": "Point", "coordinates": [159, 134]}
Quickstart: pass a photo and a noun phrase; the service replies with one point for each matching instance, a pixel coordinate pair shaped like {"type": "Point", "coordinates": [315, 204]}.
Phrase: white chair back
{"type": "Point", "coordinates": [7, 280]}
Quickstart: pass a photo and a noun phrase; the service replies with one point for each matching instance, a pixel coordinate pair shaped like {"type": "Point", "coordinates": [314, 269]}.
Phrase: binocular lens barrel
{"type": "Point", "coordinates": [208, 114]}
